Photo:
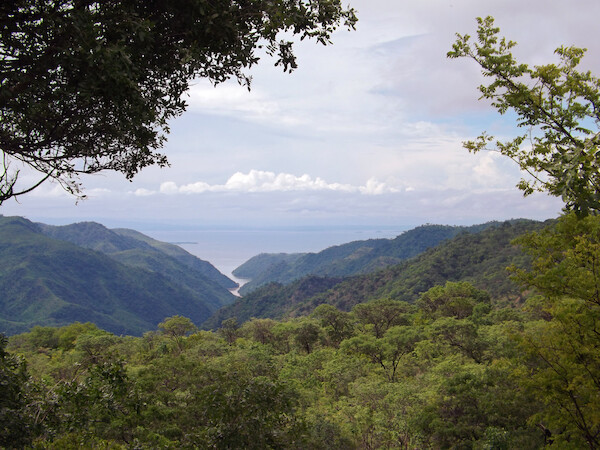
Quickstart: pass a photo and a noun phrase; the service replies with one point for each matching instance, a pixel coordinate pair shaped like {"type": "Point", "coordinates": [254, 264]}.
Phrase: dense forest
{"type": "Point", "coordinates": [454, 369]}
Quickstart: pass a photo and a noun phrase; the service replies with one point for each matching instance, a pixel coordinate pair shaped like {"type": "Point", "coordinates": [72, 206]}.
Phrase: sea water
{"type": "Point", "coordinates": [227, 249]}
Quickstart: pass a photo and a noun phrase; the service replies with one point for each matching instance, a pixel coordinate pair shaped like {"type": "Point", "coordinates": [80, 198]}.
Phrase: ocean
{"type": "Point", "coordinates": [227, 249]}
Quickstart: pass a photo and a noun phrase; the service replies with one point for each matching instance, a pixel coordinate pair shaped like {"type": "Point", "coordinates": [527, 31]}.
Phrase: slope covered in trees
{"type": "Point", "coordinates": [481, 258]}
{"type": "Point", "coordinates": [133, 248]}
{"type": "Point", "coordinates": [452, 370]}
{"type": "Point", "coordinates": [273, 300]}
{"type": "Point", "coordinates": [353, 258]}
{"type": "Point", "coordinates": [47, 281]}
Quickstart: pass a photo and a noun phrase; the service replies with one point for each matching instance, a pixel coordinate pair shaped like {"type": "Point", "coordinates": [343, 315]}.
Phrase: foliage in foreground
{"type": "Point", "coordinates": [557, 104]}
{"type": "Point", "coordinates": [452, 370]}
{"type": "Point", "coordinates": [89, 86]}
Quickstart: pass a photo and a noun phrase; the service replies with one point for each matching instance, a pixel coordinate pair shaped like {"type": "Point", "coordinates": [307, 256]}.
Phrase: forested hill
{"type": "Point", "coordinates": [134, 248]}
{"type": "Point", "coordinates": [358, 257]}
{"type": "Point", "coordinates": [273, 300]}
{"type": "Point", "coordinates": [47, 281]}
{"type": "Point", "coordinates": [480, 258]}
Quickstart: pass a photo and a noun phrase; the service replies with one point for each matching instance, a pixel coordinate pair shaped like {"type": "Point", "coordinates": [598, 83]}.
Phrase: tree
{"type": "Point", "coordinates": [561, 350]}
{"type": "Point", "coordinates": [387, 351]}
{"type": "Point", "coordinates": [454, 299]}
{"type": "Point", "coordinates": [565, 259]}
{"type": "Point", "coordinates": [306, 335]}
{"type": "Point", "coordinates": [561, 369]}
{"type": "Point", "coordinates": [557, 104]}
{"type": "Point", "coordinates": [381, 314]}
{"type": "Point", "coordinates": [229, 330]}
{"type": "Point", "coordinates": [15, 423]}
{"type": "Point", "coordinates": [177, 327]}
{"type": "Point", "coordinates": [260, 330]}
{"type": "Point", "coordinates": [87, 86]}
{"type": "Point", "coordinates": [254, 412]}
{"type": "Point", "coordinates": [337, 324]}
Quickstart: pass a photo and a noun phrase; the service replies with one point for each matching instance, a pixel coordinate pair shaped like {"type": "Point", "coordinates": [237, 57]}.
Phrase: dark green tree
{"type": "Point", "coordinates": [253, 413]}
{"type": "Point", "coordinates": [16, 424]}
{"type": "Point", "coordinates": [306, 335]}
{"type": "Point", "coordinates": [338, 324]}
{"type": "Point", "coordinates": [229, 330]}
{"type": "Point", "coordinates": [87, 86]}
{"type": "Point", "coordinates": [558, 106]}
{"type": "Point", "coordinates": [261, 330]}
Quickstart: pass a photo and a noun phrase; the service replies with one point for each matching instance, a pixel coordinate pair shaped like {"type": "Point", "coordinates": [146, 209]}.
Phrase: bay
{"type": "Point", "coordinates": [227, 249]}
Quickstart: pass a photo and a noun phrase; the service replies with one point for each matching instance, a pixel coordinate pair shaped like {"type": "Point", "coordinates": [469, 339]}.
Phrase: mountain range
{"type": "Point", "coordinates": [353, 258]}
{"type": "Point", "coordinates": [480, 256]}
{"type": "Point", "coordinates": [126, 282]}
{"type": "Point", "coordinates": [122, 280]}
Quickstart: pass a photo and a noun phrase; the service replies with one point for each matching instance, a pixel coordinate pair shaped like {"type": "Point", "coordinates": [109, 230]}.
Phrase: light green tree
{"type": "Point", "coordinates": [454, 299]}
{"type": "Point", "coordinates": [556, 104]}
{"type": "Point", "coordinates": [381, 314]}
{"type": "Point", "coordinates": [177, 328]}
{"type": "Point", "coordinates": [561, 349]}
{"type": "Point", "coordinates": [387, 351]}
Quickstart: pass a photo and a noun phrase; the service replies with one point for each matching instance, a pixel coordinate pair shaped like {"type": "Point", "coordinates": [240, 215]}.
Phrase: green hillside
{"type": "Point", "coordinates": [272, 300]}
{"type": "Point", "coordinates": [259, 264]}
{"type": "Point", "coordinates": [192, 262]}
{"type": "Point", "coordinates": [133, 247]}
{"type": "Point", "coordinates": [45, 281]}
{"type": "Point", "coordinates": [477, 257]}
{"type": "Point", "coordinates": [353, 258]}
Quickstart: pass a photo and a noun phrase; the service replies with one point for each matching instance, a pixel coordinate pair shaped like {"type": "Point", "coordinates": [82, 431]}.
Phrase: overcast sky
{"type": "Point", "coordinates": [366, 131]}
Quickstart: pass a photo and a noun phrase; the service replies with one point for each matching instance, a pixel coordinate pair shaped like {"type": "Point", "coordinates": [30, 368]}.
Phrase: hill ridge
{"type": "Point", "coordinates": [48, 281]}
{"type": "Point", "coordinates": [352, 258]}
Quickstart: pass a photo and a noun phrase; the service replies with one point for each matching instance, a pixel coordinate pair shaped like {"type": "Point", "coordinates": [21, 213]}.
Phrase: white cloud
{"type": "Point", "coordinates": [50, 190]}
{"type": "Point", "coordinates": [168, 187]}
{"type": "Point", "coordinates": [264, 181]}
{"type": "Point", "coordinates": [232, 99]}
{"type": "Point", "coordinates": [374, 187]}
{"type": "Point", "coordinates": [142, 192]}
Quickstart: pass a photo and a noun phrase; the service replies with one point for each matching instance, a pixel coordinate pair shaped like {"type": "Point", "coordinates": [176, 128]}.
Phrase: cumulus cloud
{"type": "Point", "coordinates": [264, 181]}
{"type": "Point", "coordinates": [374, 187]}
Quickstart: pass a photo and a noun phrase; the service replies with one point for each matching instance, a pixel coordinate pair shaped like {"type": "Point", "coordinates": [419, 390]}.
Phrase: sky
{"type": "Point", "coordinates": [367, 131]}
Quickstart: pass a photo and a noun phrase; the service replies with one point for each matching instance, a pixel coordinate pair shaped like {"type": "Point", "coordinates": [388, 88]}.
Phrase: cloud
{"type": "Point", "coordinates": [232, 99]}
{"type": "Point", "coordinates": [263, 181]}
{"type": "Point", "coordinates": [374, 187]}
{"type": "Point", "coordinates": [141, 192]}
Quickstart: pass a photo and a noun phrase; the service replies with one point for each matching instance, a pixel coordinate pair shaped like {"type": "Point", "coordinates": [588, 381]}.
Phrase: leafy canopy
{"type": "Point", "coordinates": [87, 86]}
{"type": "Point", "coordinates": [557, 104]}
